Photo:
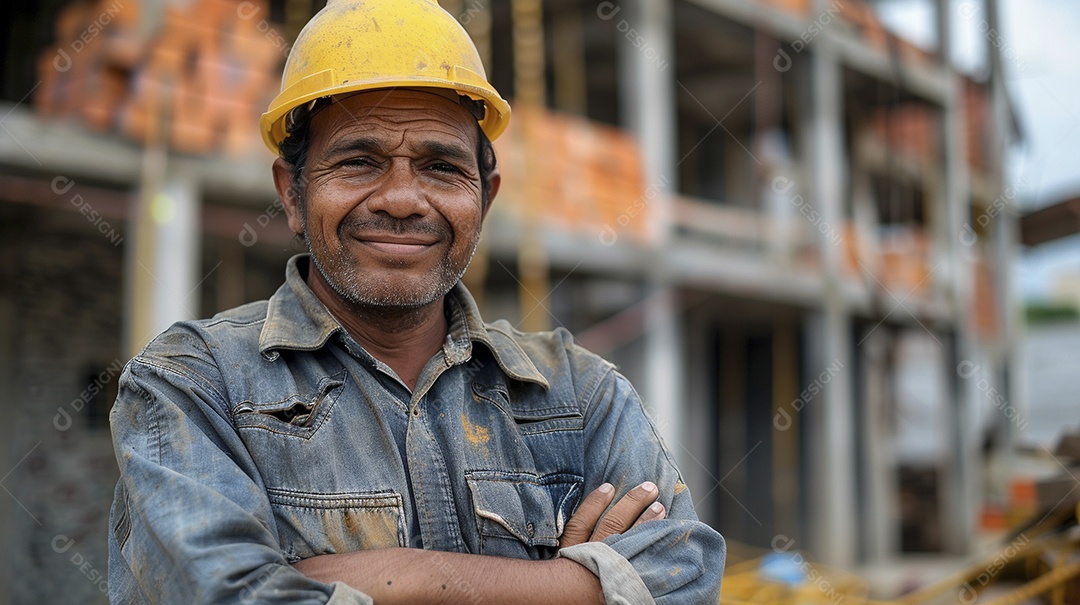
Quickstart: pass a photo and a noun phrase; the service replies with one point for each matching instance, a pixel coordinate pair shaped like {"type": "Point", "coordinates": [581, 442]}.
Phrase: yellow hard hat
{"type": "Point", "coordinates": [354, 45]}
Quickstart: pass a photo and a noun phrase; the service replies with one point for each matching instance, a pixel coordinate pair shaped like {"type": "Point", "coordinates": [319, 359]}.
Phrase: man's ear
{"type": "Point", "coordinates": [289, 196]}
{"type": "Point", "coordinates": [494, 179]}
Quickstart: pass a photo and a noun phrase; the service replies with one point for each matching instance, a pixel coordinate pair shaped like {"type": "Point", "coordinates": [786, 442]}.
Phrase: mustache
{"type": "Point", "coordinates": [381, 223]}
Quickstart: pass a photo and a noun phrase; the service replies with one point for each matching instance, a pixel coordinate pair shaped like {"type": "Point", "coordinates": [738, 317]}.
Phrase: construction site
{"type": "Point", "coordinates": [783, 221]}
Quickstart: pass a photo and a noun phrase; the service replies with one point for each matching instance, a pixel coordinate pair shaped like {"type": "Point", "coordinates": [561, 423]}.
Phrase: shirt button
{"type": "Point", "coordinates": [530, 529]}
{"type": "Point", "coordinates": [416, 411]}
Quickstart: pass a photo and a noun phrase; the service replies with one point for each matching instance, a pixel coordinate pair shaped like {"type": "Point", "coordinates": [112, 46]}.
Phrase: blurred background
{"type": "Point", "coordinates": [830, 241]}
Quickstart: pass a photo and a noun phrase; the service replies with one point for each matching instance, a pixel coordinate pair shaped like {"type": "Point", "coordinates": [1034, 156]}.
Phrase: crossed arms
{"type": "Point", "coordinates": [190, 522]}
{"type": "Point", "coordinates": [409, 575]}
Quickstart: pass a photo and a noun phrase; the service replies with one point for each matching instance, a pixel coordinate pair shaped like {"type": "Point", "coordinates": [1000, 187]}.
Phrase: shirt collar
{"type": "Point", "coordinates": [467, 327]}
{"type": "Point", "coordinates": [296, 319]}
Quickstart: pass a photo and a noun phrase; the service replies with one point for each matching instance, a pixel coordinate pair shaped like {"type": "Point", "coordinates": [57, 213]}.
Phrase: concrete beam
{"type": "Point", "coordinates": [68, 149]}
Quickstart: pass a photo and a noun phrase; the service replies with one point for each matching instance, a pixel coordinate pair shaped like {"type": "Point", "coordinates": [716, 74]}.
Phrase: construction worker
{"type": "Point", "coordinates": [364, 436]}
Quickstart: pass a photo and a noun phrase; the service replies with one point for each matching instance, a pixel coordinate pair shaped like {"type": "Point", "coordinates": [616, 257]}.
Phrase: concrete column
{"type": "Point", "coordinates": [162, 264]}
{"type": "Point", "coordinates": [1006, 249]}
{"type": "Point", "coordinates": [665, 373]}
{"type": "Point", "coordinates": [960, 484]}
{"type": "Point", "coordinates": [648, 98]}
{"type": "Point", "coordinates": [833, 529]}
{"type": "Point", "coordinates": [880, 503]}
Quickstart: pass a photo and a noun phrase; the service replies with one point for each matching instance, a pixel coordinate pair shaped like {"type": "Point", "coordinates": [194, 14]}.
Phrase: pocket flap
{"type": "Point", "coordinates": [298, 414]}
{"type": "Point", "coordinates": [531, 508]}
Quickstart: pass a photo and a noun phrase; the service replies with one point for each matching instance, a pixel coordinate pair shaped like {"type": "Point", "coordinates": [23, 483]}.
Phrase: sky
{"type": "Point", "coordinates": [1040, 51]}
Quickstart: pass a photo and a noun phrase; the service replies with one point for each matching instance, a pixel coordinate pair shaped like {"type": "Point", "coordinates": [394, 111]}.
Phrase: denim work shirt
{"type": "Point", "coordinates": [266, 435]}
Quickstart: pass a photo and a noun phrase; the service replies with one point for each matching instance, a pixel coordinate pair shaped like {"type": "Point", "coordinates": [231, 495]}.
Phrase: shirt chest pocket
{"type": "Point", "coordinates": [297, 415]}
{"type": "Point", "coordinates": [522, 515]}
{"type": "Point", "coordinates": [319, 524]}
{"type": "Point", "coordinates": [531, 417]}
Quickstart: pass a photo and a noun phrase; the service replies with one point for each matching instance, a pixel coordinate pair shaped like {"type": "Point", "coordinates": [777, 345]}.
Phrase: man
{"type": "Point", "coordinates": [363, 436]}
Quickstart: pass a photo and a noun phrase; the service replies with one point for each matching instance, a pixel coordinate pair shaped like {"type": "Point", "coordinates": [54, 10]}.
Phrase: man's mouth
{"type": "Point", "coordinates": [398, 245]}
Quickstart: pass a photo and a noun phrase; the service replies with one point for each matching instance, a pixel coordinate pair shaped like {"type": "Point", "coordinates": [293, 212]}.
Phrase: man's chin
{"type": "Point", "coordinates": [391, 295]}
{"type": "Point", "coordinates": [368, 285]}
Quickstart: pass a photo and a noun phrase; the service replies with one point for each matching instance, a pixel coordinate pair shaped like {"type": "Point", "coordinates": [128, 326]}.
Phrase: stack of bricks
{"type": "Point", "coordinates": [584, 176]}
{"type": "Point", "coordinates": [984, 319]}
{"type": "Point", "coordinates": [197, 84]}
{"type": "Point", "coordinates": [86, 73]}
{"type": "Point", "coordinates": [909, 128]}
{"type": "Point", "coordinates": [905, 254]}
{"type": "Point", "coordinates": [796, 6]}
{"type": "Point", "coordinates": [977, 116]}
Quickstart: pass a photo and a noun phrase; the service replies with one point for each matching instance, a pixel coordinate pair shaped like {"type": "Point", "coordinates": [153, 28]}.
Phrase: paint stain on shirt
{"type": "Point", "coordinates": [477, 435]}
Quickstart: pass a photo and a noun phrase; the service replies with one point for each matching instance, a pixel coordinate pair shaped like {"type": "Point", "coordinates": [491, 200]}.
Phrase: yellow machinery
{"type": "Point", "coordinates": [1047, 554]}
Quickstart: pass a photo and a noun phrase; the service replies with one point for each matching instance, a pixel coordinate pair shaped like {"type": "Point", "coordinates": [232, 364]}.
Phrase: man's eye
{"type": "Point", "coordinates": [444, 167]}
{"type": "Point", "coordinates": [358, 162]}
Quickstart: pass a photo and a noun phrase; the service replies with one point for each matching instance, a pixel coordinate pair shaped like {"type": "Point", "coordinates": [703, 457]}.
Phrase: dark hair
{"type": "Point", "coordinates": [294, 150]}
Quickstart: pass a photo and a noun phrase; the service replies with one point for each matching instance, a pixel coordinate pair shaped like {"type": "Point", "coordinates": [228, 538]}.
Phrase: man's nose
{"type": "Point", "coordinates": [399, 194]}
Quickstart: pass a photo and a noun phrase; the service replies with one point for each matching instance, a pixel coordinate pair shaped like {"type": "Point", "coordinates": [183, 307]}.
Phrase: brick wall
{"type": "Point", "coordinates": [61, 299]}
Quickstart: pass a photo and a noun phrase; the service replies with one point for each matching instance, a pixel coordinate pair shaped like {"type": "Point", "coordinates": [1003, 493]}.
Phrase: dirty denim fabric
{"type": "Point", "coordinates": [266, 435]}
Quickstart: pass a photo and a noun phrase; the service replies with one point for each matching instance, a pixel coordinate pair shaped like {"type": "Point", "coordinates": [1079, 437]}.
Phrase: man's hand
{"type": "Point", "coordinates": [411, 575]}
{"type": "Point", "coordinates": [590, 524]}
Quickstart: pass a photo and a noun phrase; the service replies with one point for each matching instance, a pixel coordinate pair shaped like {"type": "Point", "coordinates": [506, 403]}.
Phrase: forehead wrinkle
{"type": "Point", "coordinates": [421, 143]}
{"type": "Point", "coordinates": [451, 151]}
{"type": "Point", "coordinates": [347, 144]}
{"type": "Point", "coordinates": [383, 135]}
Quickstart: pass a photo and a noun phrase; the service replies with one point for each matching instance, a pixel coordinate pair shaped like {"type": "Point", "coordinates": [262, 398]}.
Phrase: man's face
{"type": "Point", "coordinates": [391, 208]}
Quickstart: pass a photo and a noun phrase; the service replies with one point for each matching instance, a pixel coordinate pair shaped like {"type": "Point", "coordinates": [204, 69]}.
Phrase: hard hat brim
{"type": "Point", "coordinates": [322, 84]}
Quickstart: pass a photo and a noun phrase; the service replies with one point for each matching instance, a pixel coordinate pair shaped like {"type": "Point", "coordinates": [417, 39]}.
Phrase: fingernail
{"type": "Point", "coordinates": [657, 508]}
{"type": "Point", "coordinates": [605, 488]}
{"type": "Point", "coordinates": [648, 486]}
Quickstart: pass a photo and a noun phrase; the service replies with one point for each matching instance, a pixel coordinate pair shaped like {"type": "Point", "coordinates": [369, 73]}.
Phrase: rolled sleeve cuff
{"type": "Point", "coordinates": [347, 595]}
{"type": "Point", "coordinates": [620, 582]}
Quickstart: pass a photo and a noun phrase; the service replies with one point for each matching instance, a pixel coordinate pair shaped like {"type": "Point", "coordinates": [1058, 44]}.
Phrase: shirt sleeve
{"type": "Point", "coordinates": [677, 560]}
{"type": "Point", "coordinates": [190, 522]}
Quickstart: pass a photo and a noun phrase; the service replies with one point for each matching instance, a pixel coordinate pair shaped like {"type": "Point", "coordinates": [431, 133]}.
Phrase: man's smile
{"type": "Point", "coordinates": [398, 245]}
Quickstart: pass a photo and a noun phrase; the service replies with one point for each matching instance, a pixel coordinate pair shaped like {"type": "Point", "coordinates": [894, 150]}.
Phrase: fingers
{"type": "Point", "coordinates": [655, 512]}
{"type": "Point", "coordinates": [589, 523]}
{"type": "Point", "coordinates": [580, 525]}
{"type": "Point", "coordinates": [628, 510]}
